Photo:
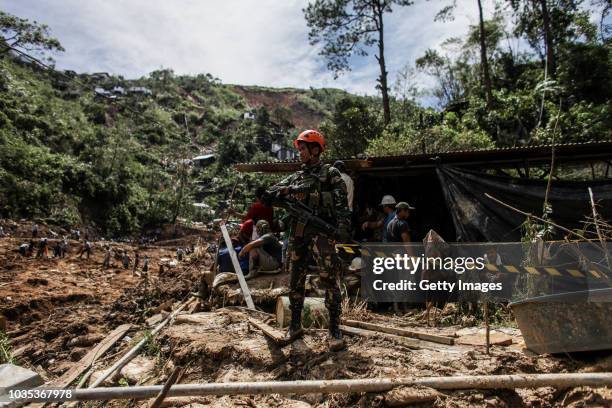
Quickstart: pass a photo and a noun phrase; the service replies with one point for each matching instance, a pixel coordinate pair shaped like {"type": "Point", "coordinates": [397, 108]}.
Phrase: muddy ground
{"type": "Point", "coordinates": [57, 310]}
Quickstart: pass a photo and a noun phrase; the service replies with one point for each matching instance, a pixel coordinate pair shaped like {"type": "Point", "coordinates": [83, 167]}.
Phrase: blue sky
{"type": "Point", "coordinates": [248, 42]}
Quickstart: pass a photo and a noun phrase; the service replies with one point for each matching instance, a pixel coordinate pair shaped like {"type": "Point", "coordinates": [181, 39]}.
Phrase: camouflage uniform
{"type": "Point", "coordinates": [325, 193]}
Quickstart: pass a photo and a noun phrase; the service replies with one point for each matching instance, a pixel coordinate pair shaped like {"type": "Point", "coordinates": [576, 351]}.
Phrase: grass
{"type": "Point", "coordinates": [6, 352]}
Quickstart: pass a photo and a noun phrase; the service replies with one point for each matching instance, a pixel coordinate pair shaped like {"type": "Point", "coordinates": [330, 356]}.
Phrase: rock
{"type": "Point", "coordinates": [96, 374]}
{"type": "Point", "coordinates": [137, 369]}
{"type": "Point", "coordinates": [401, 396]}
{"type": "Point", "coordinates": [77, 353]}
{"type": "Point", "coordinates": [85, 340]}
{"type": "Point", "coordinates": [12, 376]}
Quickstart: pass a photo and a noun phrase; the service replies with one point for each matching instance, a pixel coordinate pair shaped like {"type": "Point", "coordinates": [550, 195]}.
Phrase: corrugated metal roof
{"type": "Point", "coordinates": [498, 156]}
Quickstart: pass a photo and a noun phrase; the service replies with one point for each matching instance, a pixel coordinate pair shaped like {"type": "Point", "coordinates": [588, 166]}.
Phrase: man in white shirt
{"type": "Point", "coordinates": [350, 188]}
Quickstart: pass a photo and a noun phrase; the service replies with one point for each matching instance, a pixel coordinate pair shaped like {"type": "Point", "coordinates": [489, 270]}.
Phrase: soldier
{"type": "Point", "coordinates": [319, 186]}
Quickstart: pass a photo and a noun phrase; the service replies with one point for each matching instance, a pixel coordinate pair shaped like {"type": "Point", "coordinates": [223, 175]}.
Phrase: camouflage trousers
{"type": "Point", "coordinates": [302, 254]}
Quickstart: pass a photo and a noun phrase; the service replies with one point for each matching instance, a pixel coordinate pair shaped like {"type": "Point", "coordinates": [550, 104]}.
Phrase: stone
{"type": "Point", "coordinates": [12, 376]}
{"type": "Point", "coordinates": [137, 369]}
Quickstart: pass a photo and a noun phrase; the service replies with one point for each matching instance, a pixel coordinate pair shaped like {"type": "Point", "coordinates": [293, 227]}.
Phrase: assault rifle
{"type": "Point", "coordinates": [304, 215]}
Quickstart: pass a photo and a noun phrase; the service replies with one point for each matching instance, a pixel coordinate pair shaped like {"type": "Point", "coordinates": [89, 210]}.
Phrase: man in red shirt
{"type": "Point", "coordinates": [258, 210]}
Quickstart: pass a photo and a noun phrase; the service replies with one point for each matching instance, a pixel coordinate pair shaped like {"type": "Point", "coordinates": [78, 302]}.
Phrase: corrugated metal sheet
{"type": "Point", "coordinates": [587, 151]}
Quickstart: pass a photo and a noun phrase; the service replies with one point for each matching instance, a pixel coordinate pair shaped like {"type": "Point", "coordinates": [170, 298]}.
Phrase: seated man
{"type": "Point", "coordinates": [265, 253]}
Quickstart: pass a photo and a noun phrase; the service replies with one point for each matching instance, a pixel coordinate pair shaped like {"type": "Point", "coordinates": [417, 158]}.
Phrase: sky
{"type": "Point", "coordinates": [247, 42]}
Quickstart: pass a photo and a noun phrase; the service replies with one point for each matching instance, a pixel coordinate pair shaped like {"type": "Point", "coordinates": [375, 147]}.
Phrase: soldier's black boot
{"type": "Point", "coordinates": [295, 327]}
{"type": "Point", "coordinates": [335, 341]}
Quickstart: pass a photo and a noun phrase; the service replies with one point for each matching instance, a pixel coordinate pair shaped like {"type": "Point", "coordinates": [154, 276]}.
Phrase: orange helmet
{"type": "Point", "coordinates": [311, 136]}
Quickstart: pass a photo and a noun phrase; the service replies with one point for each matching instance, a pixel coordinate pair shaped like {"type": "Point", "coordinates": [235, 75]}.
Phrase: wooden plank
{"type": "Point", "coordinates": [87, 361]}
{"type": "Point", "coordinates": [273, 334]}
{"type": "Point", "coordinates": [496, 339]}
{"type": "Point", "coordinates": [355, 331]}
{"type": "Point", "coordinates": [401, 332]}
{"type": "Point", "coordinates": [243, 285]}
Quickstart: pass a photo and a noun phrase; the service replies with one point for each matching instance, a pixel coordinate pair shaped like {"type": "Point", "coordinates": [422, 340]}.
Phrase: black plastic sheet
{"type": "Point", "coordinates": [480, 219]}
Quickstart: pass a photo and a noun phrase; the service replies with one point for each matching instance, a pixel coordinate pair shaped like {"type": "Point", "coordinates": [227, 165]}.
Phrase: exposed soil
{"type": "Point", "coordinates": [58, 309]}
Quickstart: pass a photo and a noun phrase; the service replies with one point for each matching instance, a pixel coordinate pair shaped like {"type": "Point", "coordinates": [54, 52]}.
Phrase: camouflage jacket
{"type": "Point", "coordinates": [324, 192]}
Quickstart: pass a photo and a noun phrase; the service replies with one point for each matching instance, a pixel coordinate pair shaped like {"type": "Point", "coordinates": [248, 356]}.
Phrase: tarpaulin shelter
{"type": "Point", "coordinates": [448, 188]}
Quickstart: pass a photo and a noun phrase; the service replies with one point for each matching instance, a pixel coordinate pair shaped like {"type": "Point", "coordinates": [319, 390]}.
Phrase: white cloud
{"type": "Point", "coordinates": [260, 42]}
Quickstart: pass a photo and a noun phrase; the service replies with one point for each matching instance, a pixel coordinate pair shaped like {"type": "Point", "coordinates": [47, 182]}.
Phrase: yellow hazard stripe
{"type": "Point", "coordinates": [553, 271]}
{"type": "Point", "coordinates": [575, 273]}
{"type": "Point", "coordinates": [595, 273]}
{"type": "Point", "coordinates": [492, 267]}
{"type": "Point", "coordinates": [511, 268]}
{"type": "Point", "coordinates": [531, 270]}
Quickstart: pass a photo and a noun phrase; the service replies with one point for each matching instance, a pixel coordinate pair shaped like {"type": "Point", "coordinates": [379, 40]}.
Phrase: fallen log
{"type": "Point", "coordinates": [314, 312]}
{"type": "Point", "coordinates": [401, 332]}
{"type": "Point", "coordinates": [511, 381]}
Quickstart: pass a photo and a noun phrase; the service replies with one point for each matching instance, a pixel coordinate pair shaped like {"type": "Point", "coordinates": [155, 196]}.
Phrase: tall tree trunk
{"type": "Point", "coordinates": [382, 80]}
{"type": "Point", "coordinates": [484, 63]}
{"type": "Point", "coordinates": [551, 61]}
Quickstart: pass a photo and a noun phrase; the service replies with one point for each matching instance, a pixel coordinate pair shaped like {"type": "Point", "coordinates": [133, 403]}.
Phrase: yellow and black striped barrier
{"type": "Point", "coordinates": [547, 271]}
{"type": "Point", "coordinates": [348, 249]}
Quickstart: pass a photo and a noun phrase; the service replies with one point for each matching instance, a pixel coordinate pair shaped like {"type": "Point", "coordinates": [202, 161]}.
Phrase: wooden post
{"type": "Point", "coordinates": [243, 285]}
{"type": "Point", "coordinates": [486, 321]}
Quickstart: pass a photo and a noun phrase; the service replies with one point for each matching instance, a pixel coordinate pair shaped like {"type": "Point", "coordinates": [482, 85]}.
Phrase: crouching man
{"type": "Point", "coordinates": [265, 253]}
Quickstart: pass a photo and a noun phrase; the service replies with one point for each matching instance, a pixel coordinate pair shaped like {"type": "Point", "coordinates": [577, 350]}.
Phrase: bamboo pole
{"type": "Point", "coordinates": [136, 349]}
{"type": "Point", "coordinates": [344, 386]}
{"type": "Point", "coordinates": [243, 284]}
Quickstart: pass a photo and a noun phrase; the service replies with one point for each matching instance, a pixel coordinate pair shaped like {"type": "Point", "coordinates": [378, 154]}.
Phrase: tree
{"type": "Point", "coordinates": [446, 14]}
{"type": "Point", "coordinates": [23, 35]}
{"type": "Point", "coordinates": [349, 27]}
{"type": "Point", "coordinates": [484, 63]}
{"type": "Point", "coordinates": [550, 24]}
{"type": "Point", "coordinates": [352, 126]}
{"type": "Point", "coordinates": [450, 89]}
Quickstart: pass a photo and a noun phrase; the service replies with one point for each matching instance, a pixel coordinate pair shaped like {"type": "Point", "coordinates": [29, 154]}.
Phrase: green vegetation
{"type": "Point", "coordinates": [120, 162]}
{"type": "Point", "coordinates": [6, 354]}
{"type": "Point", "coordinates": [550, 94]}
